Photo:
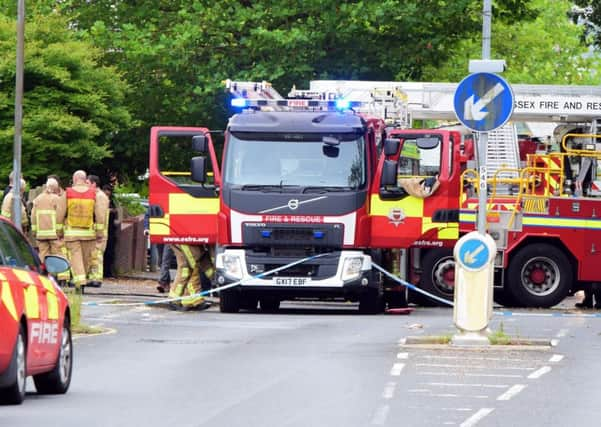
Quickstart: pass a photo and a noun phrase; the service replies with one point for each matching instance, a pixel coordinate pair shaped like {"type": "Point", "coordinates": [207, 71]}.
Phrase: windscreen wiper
{"type": "Point", "coordinates": [268, 188]}
{"type": "Point", "coordinates": [327, 189]}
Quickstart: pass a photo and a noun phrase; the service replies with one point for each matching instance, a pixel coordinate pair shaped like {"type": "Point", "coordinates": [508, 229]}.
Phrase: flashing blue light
{"type": "Point", "coordinates": [238, 102]}
{"type": "Point", "coordinates": [343, 104]}
{"type": "Point", "coordinates": [265, 233]}
{"type": "Point", "coordinates": [318, 234]}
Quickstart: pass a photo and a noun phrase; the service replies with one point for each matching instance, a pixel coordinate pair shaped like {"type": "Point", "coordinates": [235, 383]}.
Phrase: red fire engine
{"type": "Point", "coordinates": [296, 183]}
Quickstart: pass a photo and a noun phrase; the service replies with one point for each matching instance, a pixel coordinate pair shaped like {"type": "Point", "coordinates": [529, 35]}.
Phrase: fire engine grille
{"type": "Point", "coordinates": [293, 235]}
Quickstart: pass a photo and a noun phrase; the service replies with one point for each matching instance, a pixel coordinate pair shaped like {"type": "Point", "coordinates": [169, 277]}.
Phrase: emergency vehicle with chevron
{"type": "Point", "coordinates": [543, 212]}
{"type": "Point", "coordinates": [35, 320]}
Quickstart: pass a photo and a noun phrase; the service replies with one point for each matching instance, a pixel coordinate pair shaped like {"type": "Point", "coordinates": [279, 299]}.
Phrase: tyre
{"type": "Point", "coordinates": [249, 303]}
{"type": "Point", "coordinates": [396, 299]}
{"type": "Point", "coordinates": [269, 304]}
{"type": "Point", "coordinates": [438, 275]}
{"type": "Point", "coordinates": [15, 392]}
{"type": "Point", "coordinates": [539, 275]}
{"type": "Point", "coordinates": [58, 380]}
{"type": "Point", "coordinates": [371, 302]}
{"type": "Point", "coordinates": [229, 301]}
{"type": "Point", "coordinates": [503, 297]}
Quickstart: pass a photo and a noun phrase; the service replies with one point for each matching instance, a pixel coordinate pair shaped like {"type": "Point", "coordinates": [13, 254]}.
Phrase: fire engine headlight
{"type": "Point", "coordinates": [232, 266]}
{"type": "Point", "coordinates": [351, 268]}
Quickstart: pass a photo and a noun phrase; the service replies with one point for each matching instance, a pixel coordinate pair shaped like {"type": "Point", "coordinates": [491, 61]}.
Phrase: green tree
{"type": "Point", "coordinates": [176, 53]}
{"type": "Point", "coordinates": [73, 108]}
{"type": "Point", "coordinates": [546, 50]}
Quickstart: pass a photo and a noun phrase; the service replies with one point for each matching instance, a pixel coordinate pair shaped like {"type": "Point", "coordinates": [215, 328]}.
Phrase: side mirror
{"type": "Point", "coordinates": [198, 169]}
{"type": "Point", "coordinates": [200, 144]}
{"type": "Point", "coordinates": [388, 173]}
{"type": "Point", "coordinates": [427, 143]}
{"type": "Point", "coordinates": [56, 264]}
{"type": "Point", "coordinates": [391, 146]}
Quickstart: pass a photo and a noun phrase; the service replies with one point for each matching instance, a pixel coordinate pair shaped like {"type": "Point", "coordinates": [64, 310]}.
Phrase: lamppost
{"type": "Point", "coordinates": [16, 206]}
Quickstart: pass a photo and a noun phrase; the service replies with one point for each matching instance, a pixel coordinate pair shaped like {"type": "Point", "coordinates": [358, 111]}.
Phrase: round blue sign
{"type": "Point", "coordinates": [473, 254]}
{"type": "Point", "coordinates": [483, 102]}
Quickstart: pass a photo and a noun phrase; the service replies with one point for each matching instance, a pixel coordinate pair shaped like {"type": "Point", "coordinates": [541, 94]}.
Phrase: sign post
{"type": "Point", "coordinates": [483, 102]}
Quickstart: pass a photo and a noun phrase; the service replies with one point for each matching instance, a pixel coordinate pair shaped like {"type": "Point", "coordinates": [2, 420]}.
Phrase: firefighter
{"type": "Point", "coordinates": [7, 207]}
{"type": "Point", "coordinates": [83, 225]}
{"type": "Point", "coordinates": [47, 217]}
{"type": "Point", "coordinates": [191, 263]}
{"type": "Point", "coordinates": [96, 267]}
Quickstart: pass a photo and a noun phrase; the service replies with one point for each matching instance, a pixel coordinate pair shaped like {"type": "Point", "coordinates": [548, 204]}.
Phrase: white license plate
{"type": "Point", "coordinates": [291, 281]}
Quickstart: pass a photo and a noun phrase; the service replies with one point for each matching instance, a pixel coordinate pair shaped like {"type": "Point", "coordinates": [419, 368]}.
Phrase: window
{"type": "Point", "coordinates": [20, 253]}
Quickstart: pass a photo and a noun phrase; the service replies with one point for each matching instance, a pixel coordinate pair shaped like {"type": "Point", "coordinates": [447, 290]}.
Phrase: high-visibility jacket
{"type": "Point", "coordinates": [102, 207]}
{"type": "Point", "coordinates": [82, 216]}
{"type": "Point", "coordinates": [47, 216]}
{"type": "Point", "coordinates": [7, 209]}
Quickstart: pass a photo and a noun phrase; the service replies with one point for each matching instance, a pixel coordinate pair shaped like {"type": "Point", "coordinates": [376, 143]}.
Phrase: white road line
{"type": "Point", "coordinates": [513, 390]}
{"type": "Point", "coordinates": [380, 415]}
{"type": "Point", "coordinates": [539, 373]}
{"type": "Point", "coordinates": [562, 333]}
{"type": "Point", "coordinates": [467, 385]}
{"type": "Point", "coordinates": [396, 369]}
{"type": "Point", "coordinates": [463, 396]}
{"type": "Point", "coordinates": [494, 359]}
{"type": "Point", "coordinates": [388, 392]}
{"type": "Point", "coordinates": [473, 420]}
{"type": "Point", "coordinates": [457, 374]}
{"type": "Point", "coordinates": [402, 356]}
{"type": "Point", "coordinates": [443, 365]}
{"type": "Point", "coordinates": [556, 358]}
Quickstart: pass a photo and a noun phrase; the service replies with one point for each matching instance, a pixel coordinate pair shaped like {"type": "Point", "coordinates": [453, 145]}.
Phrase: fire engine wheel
{"type": "Point", "coordinates": [229, 301]}
{"type": "Point", "coordinates": [438, 275]}
{"type": "Point", "coordinates": [539, 276]}
{"type": "Point", "coordinates": [58, 380]}
{"type": "Point", "coordinates": [269, 304]}
{"type": "Point", "coordinates": [15, 393]}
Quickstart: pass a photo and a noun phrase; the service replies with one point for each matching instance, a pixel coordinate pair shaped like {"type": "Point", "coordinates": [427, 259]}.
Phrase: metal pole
{"type": "Point", "coordinates": [16, 208]}
{"type": "Point", "coordinates": [483, 140]}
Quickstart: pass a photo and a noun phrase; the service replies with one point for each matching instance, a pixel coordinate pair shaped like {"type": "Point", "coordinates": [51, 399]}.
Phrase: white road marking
{"type": "Point", "coordinates": [556, 358]}
{"type": "Point", "coordinates": [494, 359]}
{"type": "Point", "coordinates": [463, 396]}
{"type": "Point", "coordinates": [513, 390]}
{"type": "Point", "coordinates": [456, 374]}
{"type": "Point", "coordinates": [443, 365]}
{"type": "Point", "coordinates": [380, 415]}
{"type": "Point", "coordinates": [562, 333]}
{"type": "Point", "coordinates": [402, 356]}
{"type": "Point", "coordinates": [467, 385]}
{"type": "Point", "coordinates": [388, 392]}
{"type": "Point", "coordinates": [539, 373]}
{"type": "Point", "coordinates": [473, 420]}
{"type": "Point", "coordinates": [554, 342]}
{"type": "Point", "coordinates": [396, 369]}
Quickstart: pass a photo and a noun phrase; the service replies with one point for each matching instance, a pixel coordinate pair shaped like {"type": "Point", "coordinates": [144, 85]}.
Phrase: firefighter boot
{"type": "Point", "coordinates": [194, 301]}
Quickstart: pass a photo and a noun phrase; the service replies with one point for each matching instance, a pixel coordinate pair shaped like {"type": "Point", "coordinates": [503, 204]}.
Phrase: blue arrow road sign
{"type": "Point", "coordinates": [483, 102]}
{"type": "Point", "coordinates": [474, 254]}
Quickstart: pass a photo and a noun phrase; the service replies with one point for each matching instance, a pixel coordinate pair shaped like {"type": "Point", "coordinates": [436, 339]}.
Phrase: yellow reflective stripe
{"type": "Point", "coordinates": [99, 227]}
{"type": "Point", "coordinates": [59, 226]}
{"type": "Point", "coordinates": [185, 272]}
{"type": "Point", "coordinates": [34, 227]}
{"type": "Point", "coordinates": [188, 254]}
{"type": "Point", "coordinates": [79, 232]}
{"type": "Point", "coordinates": [411, 206]}
{"type": "Point", "coordinates": [6, 214]}
{"type": "Point", "coordinates": [6, 297]}
{"type": "Point", "coordinates": [32, 303]}
{"type": "Point", "coordinates": [45, 233]}
{"type": "Point", "coordinates": [51, 298]}
{"type": "Point", "coordinates": [24, 276]}
{"type": "Point", "coordinates": [160, 226]}
{"type": "Point", "coordinates": [186, 204]}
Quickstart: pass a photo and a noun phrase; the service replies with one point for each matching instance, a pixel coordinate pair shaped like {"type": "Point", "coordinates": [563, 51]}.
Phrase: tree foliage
{"type": "Point", "coordinates": [73, 108]}
{"type": "Point", "coordinates": [546, 50]}
{"type": "Point", "coordinates": [176, 53]}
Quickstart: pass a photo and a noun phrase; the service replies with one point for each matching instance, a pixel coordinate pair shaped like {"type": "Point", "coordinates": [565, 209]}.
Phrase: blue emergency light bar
{"type": "Point", "coordinates": [332, 105]}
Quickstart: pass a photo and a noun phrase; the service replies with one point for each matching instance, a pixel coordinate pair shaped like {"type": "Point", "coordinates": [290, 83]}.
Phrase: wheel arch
{"type": "Point", "coordinates": [554, 241]}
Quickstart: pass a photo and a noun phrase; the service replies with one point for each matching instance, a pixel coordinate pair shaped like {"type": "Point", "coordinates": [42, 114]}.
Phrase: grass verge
{"type": "Point", "coordinates": [76, 326]}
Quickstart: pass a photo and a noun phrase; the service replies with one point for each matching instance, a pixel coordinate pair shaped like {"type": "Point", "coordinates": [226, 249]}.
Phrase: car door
{"type": "Point", "coordinates": [25, 267]}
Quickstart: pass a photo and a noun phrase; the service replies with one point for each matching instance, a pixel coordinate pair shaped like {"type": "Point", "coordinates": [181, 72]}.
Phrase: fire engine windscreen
{"type": "Point", "coordinates": [304, 160]}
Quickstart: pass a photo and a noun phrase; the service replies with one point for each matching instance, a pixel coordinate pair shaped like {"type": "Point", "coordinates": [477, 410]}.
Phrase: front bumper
{"type": "Point", "coordinates": [337, 274]}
